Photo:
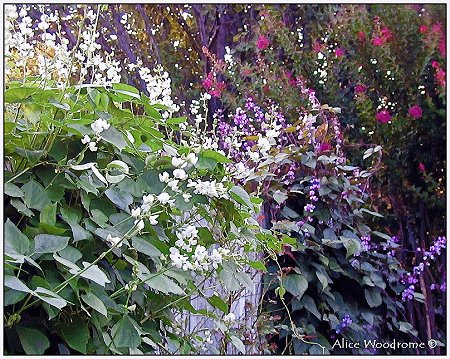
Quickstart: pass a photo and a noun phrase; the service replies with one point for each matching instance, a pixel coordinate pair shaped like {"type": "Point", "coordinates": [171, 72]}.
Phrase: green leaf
{"type": "Point", "coordinates": [238, 344]}
{"type": "Point", "coordinates": [373, 297]}
{"type": "Point", "coordinates": [145, 247]}
{"type": "Point", "coordinates": [13, 191]}
{"type": "Point", "coordinates": [176, 120]}
{"type": "Point", "coordinates": [218, 157]}
{"type": "Point", "coordinates": [63, 106]}
{"type": "Point", "coordinates": [164, 284]}
{"type": "Point", "coordinates": [126, 90]}
{"type": "Point", "coordinates": [48, 214]}
{"type": "Point", "coordinates": [18, 94]}
{"type": "Point", "coordinates": [94, 273]}
{"type": "Point", "coordinates": [121, 199]}
{"type": "Point", "coordinates": [258, 265]}
{"type": "Point", "coordinates": [114, 137]}
{"type": "Point", "coordinates": [33, 341]}
{"type": "Point", "coordinates": [76, 334]}
{"type": "Point", "coordinates": [382, 235]}
{"type": "Point", "coordinates": [375, 214]}
{"type": "Point", "coordinates": [241, 196]}
{"type": "Point", "coordinates": [352, 245]}
{"type": "Point", "coordinates": [245, 280]}
{"type": "Point", "coordinates": [95, 303]}
{"type": "Point", "coordinates": [124, 334]}
{"type": "Point", "coordinates": [20, 206]}
{"type": "Point", "coordinates": [47, 243]}
{"type": "Point", "coordinates": [35, 195]}
{"type": "Point", "coordinates": [50, 297]}
{"type": "Point", "coordinates": [15, 241]}
{"type": "Point", "coordinates": [280, 197]}
{"type": "Point", "coordinates": [218, 303]}
{"type": "Point", "coordinates": [152, 112]}
{"type": "Point", "coordinates": [15, 283]}
{"type": "Point", "coordinates": [295, 284]}
{"type": "Point", "coordinates": [31, 155]}
{"type": "Point", "coordinates": [205, 163]}
{"type": "Point", "coordinates": [310, 306]}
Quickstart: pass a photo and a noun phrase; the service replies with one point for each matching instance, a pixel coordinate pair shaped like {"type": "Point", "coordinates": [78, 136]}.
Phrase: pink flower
{"type": "Point", "coordinates": [386, 34]}
{"type": "Point", "coordinates": [421, 167]}
{"type": "Point", "coordinates": [324, 146]}
{"type": "Point", "coordinates": [442, 48]}
{"type": "Point", "coordinates": [339, 52]}
{"type": "Point", "coordinates": [383, 116]}
{"type": "Point", "coordinates": [378, 41]}
{"type": "Point", "coordinates": [415, 111]}
{"type": "Point", "coordinates": [317, 46]}
{"type": "Point", "coordinates": [207, 83]}
{"type": "Point", "coordinates": [437, 28]}
{"type": "Point", "coordinates": [262, 43]}
{"type": "Point", "coordinates": [362, 36]}
{"type": "Point", "coordinates": [423, 29]}
{"type": "Point", "coordinates": [360, 88]}
{"type": "Point", "coordinates": [440, 77]}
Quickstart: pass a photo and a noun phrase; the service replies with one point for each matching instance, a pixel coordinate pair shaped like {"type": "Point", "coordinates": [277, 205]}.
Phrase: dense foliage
{"type": "Point", "coordinates": [149, 148]}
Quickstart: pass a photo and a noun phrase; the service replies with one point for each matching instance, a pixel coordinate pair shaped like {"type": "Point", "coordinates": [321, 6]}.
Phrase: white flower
{"type": "Point", "coordinates": [173, 185]}
{"type": "Point", "coordinates": [192, 158]}
{"type": "Point", "coordinates": [187, 197]}
{"type": "Point", "coordinates": [229, 318]}
{"type": "Point", "coordinates": [148, 199]}
{"type": "Point", "coordinates": [164, 177]}
{"type": "Point", "coordinates": [85, 139]}
{"type": "Point", "coordinates": [164, 198]}
{"type": "Point", "coordinates": [264, 144]}
{"type": "Point", "coordinates": [136, 212]}
{"type": "Point", "coordinates": [99, 126]}
{"type": "Point", "coordinates": [115, 241]}
{"type": "Point", "coordinates": [139, 224]}
{"type": "Point", "coordinates": [178, 162]}
{"type": "Point", "coordinates": [180, 174]}
{"type": "Point", "coordinates": [254, 156]}
{"type": "Point", "coordinates": [216, 258]}
{"type": "Point", "coordinates": [178, 260]}
{"type": "Point", "coordinates": [272, 133]}
{"type": "Point", "coordinates": [93, 146]}
{"type": "Point", "coordinates": [153, 220]}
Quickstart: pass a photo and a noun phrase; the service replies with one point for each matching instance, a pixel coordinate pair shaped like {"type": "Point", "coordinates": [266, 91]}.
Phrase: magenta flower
{"type": "Point", "coordinates": [423, 29]}
{"type": "Point", "coordinates": [317, 46]}
{"type": "Point", "coordinates": [360, 88]}
{"type": "Point", "coordinates": [378, 41]}
{"type": "Point", "coordinates": [262, 43]}
{"type": "Point", "coordinates": [421, 167]}
{"type": "Point", "coordinates": [383, 116]}
{"type": "Point", "coordinates": [324, 146]}
{"type": "Point", "coordinates": [415, 111]}
{"type": "Point", "coordinates": [362, 36]}
{"type": "Point", "coordinates": [339, 52]}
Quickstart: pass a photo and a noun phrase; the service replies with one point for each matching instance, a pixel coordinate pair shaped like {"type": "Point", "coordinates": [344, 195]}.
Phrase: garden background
{"type": "Point", "coordinates": [217, 179]}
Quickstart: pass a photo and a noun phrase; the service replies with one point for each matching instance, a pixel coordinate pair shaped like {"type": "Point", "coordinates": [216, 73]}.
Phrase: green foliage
{"type": "Point", "coordinates": [75, 258]}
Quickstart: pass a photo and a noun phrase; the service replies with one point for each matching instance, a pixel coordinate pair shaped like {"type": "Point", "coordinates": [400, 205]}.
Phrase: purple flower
{"type": "Point", "coordinates": [383, 116]}
{"type": "Point", "coordinates": [415, 111]}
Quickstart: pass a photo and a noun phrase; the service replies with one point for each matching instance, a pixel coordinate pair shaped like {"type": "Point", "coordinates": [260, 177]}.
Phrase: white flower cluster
{"type": "Point", "coordinates": [179, 175]}
{"type": "Point", "coordinates": [50, 56]}
{"type": "Point", "coordinates": [187, 255]}
{"type": "Point", "coordinates": [158, 83]}
{"type": "Point", "coordinates": [98, 126]}
{"type": "Point", "coordinates": [209, 188]}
